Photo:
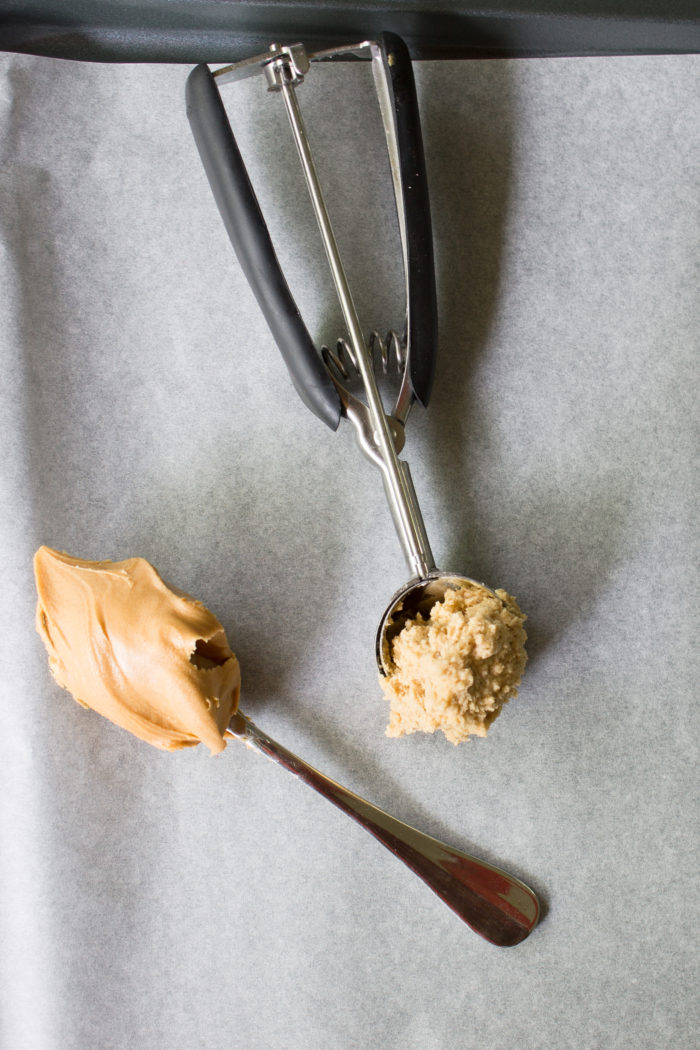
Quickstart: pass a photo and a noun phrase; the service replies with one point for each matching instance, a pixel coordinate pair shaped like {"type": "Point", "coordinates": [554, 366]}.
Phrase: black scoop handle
{"type": "Point", "coordinates": [251, 242]}
{"type": "Point", "coordinates": [422, 296]}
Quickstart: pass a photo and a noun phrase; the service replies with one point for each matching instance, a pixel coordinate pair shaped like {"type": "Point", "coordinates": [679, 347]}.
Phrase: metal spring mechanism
{"type": "Point", "coordinates": [387, 359]}
{"type": "Point", "coordinates": [388, 354]}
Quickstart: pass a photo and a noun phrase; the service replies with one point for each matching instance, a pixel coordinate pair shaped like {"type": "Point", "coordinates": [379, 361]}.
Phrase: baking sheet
{"type": "Point", "coordinates": [164, 901]}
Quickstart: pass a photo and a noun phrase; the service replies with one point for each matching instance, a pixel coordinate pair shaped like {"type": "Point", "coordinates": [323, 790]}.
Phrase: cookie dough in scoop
{"type": "Point", "coordinates": [454, 670]}
{"type": "Point", "coordinates": [145, 655]}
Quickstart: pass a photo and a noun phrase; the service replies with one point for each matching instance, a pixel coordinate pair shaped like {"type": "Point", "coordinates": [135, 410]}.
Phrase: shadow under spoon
{"type": "Point", "coordinates": [496, 905]}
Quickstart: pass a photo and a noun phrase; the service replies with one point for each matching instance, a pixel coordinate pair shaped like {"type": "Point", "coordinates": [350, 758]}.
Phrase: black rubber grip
{"type": "Point", "coordinates": [251, 241]}
{"type": "Point", "coordinates": [422, 297]}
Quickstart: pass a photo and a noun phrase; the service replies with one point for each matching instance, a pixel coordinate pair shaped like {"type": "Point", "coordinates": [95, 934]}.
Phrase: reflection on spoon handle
{"type": "Point", "coordinates": [496, 905]}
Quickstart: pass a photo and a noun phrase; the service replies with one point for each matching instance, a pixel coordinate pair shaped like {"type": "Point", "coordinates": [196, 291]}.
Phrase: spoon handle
{"type": "Point", "coordinates": [499, 907]}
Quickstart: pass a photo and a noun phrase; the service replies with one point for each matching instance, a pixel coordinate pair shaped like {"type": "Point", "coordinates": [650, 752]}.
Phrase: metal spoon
{"type": "Point", "coordinates": [496, 905]}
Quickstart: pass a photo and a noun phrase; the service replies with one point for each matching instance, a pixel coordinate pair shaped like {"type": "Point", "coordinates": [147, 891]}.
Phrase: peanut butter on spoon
{"type": "Point", "coordinates": [148, 657]}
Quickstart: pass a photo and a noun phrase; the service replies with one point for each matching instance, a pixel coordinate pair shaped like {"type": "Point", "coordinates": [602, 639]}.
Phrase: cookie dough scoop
{"type": "Point", "coordinates": [343, 381]}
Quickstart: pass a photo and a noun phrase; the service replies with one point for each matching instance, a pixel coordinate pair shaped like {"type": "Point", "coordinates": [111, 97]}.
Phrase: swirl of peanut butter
{"type": "Point", "coordinates": [148, 657]}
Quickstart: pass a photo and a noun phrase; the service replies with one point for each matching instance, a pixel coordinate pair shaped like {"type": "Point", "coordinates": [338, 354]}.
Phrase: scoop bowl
{"type": "Point", "coordinates": [417, 597]}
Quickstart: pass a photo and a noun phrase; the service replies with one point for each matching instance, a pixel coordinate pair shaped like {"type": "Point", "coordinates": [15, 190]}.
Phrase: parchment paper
{"type": "Point", "coordinates": [167, 902]}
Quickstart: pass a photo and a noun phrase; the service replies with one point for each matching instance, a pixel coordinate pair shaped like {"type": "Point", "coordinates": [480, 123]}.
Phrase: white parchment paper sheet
{"type": "Point", "coordinates": [168, 902]}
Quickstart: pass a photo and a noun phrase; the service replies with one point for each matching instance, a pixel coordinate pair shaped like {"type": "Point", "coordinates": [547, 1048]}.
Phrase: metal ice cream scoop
{"type": "Point", "coordinates": [327, 382]}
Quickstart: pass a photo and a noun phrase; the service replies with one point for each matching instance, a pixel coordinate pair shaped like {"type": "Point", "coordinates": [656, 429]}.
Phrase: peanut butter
{"type": "Point", "coordinates": [148, 657]}
{"type": "Point", "coordinates": [455, 670]}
